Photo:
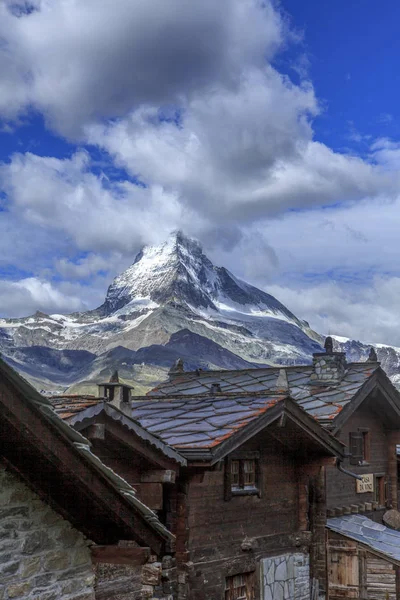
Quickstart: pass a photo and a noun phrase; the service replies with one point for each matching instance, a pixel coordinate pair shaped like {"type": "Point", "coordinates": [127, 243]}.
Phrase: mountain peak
{"type": "Point", "coordinates": [177, 271]}
{"type": "Point", "coordinates": [162, 273]}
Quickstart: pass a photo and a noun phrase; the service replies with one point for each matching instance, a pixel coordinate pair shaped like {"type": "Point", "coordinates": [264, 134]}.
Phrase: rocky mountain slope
{"type": "Point", "coordinates": [172, 302]}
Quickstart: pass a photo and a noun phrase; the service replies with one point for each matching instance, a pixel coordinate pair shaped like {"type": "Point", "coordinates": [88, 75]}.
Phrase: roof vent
{"type": "Point", "coordinates": [329, 367]}
{"type": "Point", "coordinates": [215, 388]}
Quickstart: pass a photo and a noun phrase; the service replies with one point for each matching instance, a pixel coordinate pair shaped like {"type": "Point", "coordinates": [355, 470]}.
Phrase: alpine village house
{"type": "Point", "coordinates": [270, 483]}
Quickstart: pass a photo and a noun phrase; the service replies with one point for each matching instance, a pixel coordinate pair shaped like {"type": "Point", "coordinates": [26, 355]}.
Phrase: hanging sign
{"type": "Point", "coordinates": [366, 484]}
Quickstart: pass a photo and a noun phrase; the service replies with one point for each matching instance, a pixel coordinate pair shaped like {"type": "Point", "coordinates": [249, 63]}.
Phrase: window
{"type": "Point", "coordinates": [240, 587]}
{"type": "Point", "coordinates": [380, 490]}
{"type": "Point", "coordinates": [242, 475]}
{"type": "Point", "coordinates": [359, 446]}
{"type": "Point", "coordinates": [249, 473]}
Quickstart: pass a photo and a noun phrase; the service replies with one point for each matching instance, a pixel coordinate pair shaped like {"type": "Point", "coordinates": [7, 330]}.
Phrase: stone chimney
{"type": "Point", "coordinates": [329, 367]}
{"type": "Point", "coordinates": [176, 369]}
{"type": "Point", "coordinates": [115, 392]}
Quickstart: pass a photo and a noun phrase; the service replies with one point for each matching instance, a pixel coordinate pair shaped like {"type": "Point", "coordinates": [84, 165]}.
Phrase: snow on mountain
{"type": "Point", "coordinates": [168, 289]}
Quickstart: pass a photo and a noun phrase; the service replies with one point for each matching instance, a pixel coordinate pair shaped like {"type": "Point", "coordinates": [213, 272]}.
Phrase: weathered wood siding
{"type": "Point", "coordinates": [341, 489]}
{"type": "Point", "coordinates": [218, 528]}
{"type": "Point", "coordinates": [381, 579]}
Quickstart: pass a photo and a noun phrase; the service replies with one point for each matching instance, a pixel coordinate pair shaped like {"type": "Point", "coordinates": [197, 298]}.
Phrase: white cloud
{"type": "Point", "coordinates": [366, 313]}
{"type": "Point", "coordinates": [19, 298]}
{"type": "Point", "coordinates": [65, 197]}
{"type": "Point", "coordinates": [183, 95]}
{"type": "Point", "coordinates": [77, 61]}
{"type": "Point", "coordinates": [245, 154]}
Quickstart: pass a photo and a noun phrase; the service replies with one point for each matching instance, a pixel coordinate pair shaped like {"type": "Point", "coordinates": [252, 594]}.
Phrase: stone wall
{"type": "Point", "coordinates": [154, 580]}
{"type": "Point", "coordinates": [41, 556]}
{"type": "Point", "coordinates": [285, 577]}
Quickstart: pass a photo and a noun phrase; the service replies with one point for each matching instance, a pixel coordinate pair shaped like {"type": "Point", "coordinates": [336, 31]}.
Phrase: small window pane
{"type": "Point", "coordinates": [235, 470]}
{"type": "Point", "coordinates": [249, 469]}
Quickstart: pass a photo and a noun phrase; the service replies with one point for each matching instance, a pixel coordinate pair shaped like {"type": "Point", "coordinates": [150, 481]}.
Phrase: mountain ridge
{"type": "Point", "coordinates": [170, 288]}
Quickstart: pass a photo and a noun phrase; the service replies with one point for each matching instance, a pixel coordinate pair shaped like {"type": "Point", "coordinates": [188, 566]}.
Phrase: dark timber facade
{"type": "Point", "coordinates": [237, 480]}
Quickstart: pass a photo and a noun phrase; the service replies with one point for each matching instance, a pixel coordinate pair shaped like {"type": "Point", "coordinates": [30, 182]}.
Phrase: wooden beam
{"type": "Point", "coordinates": [151, 494]}
{"type": "Point", "coordinates": [117, 555]}
{"type": "Point", "coordinates": [158, 476]}
{"type": "Point", "coordinates": [96, 431]}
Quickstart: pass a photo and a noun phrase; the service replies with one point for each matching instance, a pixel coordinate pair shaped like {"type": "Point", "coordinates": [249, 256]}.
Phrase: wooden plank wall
{"type": "Point", "coordinates": [341, 489]}
{"type": "Point", "coordinates": [218, 529]}
{"type": "Point", "coordinates": [381, 579]}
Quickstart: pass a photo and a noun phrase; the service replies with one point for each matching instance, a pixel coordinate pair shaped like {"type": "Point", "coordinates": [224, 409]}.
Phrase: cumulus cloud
{"type": "Point", "coordinates": [66, 197]}
{"type": "Point", "coordinates": [244, 154]}
{"type": "Point", "coordinates": [19, 298]}
{"type": "Point", "coordinates": [186, 99]}
{"type": "Point", "coordinates": [368, 313]}
{"type": "Point", "coordinates": [77, 61]}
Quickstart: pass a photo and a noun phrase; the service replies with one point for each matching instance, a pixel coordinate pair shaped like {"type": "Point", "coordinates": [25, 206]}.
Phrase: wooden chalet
{"type": "Point", "coordinates": [238, 479]}
{"type": "Point", "coordinates": [358, 404]}
{"type": "Point", "coordinates": [64, 515]}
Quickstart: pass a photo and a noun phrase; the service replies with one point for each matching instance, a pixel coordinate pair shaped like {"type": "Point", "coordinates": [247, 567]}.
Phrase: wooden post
{"type": "Point", "coordinates": [362, 565]}
{"type": "Point", "coordinates": [393, 440]}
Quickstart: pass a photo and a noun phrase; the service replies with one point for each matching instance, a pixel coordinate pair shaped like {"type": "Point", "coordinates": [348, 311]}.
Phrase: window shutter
{"type": "Point", "coordinates": [356, 447]}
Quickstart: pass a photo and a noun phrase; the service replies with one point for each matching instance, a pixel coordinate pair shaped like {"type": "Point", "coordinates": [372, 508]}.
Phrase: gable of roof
{"type": "Point", "coordinates": [80, 414]}
{"type": "Point", "coordinates": [56, 461]}
{"type": "Point", "coordinates": [209, 427]}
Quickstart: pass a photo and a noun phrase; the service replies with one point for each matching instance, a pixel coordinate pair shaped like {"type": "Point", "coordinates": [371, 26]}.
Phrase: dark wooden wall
{"type": "Point", "coordinates": [220, 531]}
{"type": "Point", "coordinates": [341, 489]}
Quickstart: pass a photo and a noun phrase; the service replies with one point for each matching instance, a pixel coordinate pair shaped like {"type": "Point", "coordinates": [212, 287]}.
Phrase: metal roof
{"type": "Point", "coordinates": [324, 402]}
{"type": "Point", "coordinates": [378, 537]}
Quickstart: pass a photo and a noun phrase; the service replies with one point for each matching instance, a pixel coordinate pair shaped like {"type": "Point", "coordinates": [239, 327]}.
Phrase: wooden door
{"type": "Point", "coordinates": [343, 569]}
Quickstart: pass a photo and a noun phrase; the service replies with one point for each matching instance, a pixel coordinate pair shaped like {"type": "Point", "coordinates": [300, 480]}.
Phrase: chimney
{"type": "Point", "coordinates": [116, 393]}
{"type": "Point", "coordinates": [329, 367]}
{"type": "Point", "coordinates": [176, 369]}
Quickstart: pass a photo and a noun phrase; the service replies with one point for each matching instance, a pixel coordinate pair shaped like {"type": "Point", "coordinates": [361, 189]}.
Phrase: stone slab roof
{"type": "Point", "coordinates": [378, 537]}
{"type": "Point", "coordinates": [68, 405]}
{"type": "Point", "coordinates": [322, 402]}
{"type": "Point", "coordinates": [200, 422]}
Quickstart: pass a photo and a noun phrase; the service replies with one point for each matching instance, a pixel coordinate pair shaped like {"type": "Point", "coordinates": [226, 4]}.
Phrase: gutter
{"type": "Point", "coordinates": [346, 472]}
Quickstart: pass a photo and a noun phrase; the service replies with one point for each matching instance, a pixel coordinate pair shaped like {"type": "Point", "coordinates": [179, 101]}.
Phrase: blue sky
{"type": "Point", "coordinates": [268, 131]}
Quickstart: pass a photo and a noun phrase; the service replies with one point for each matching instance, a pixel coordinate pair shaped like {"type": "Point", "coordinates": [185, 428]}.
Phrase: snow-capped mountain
{"type": "Point", "coordinates": [172, 302]}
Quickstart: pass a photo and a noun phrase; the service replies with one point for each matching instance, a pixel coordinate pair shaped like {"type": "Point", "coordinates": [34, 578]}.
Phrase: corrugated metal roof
{"type": "Point", "coordinates": [376, 536]}
{"type": "Point", "coordinates": [322, 402]}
